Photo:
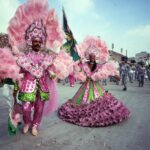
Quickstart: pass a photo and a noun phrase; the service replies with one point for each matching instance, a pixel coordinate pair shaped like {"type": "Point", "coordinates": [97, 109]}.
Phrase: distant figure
{"type": "Point", "coordinates": [131, 74]}
{"type": "Point", "coordinates": [141, 73]}
{"type": "Point", "coordinates": [124, 72]}
{"type": "Point", "coordinates": [148, 72]}
{"type": "Point", "coordinates": [104, 82]}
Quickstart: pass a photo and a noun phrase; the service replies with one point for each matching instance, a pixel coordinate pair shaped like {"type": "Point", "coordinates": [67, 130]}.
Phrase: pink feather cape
{"type": "Point", "coordinates": [98, 47]}
{"type": "Point", "coordinates": [63, 64]}
{"type": "Point", "coordinates": [62, 67]}
{"type": "Point", "coordinates": [52, 104]}
{"type": "Point", "coordinates": [8, 66]}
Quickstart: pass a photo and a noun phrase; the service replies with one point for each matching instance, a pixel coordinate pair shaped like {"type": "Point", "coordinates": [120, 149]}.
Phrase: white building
{"type": "Point", "coordinates": [142, 56]}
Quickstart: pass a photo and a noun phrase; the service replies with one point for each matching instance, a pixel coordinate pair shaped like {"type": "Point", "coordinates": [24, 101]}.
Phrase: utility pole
{"type": "Point", "coordinates": [121, 50]}
{"type": "Point", "coordinates": [126, 52]}
{"type": "Point", "coordinates": [112, 46]}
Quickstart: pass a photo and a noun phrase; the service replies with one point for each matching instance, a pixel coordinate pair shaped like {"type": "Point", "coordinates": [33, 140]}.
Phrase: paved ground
{"type": "Point", "coordinates": [133, 134]}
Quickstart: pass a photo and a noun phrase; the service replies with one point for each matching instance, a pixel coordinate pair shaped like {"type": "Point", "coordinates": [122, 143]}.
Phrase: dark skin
{"type": "Point", "coordinates": [36, 44]}
{"type": "Point", "coordinates": [92, 62]}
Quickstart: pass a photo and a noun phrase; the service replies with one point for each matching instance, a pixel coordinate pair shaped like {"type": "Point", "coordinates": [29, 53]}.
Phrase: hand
{"type": "Point", "coordinates": [15, 93]}
{"type": "Point", "coordinates": [52, 77]}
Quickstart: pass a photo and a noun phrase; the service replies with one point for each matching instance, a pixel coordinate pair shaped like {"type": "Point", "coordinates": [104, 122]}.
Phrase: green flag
{"type": "Point", "coordinates": [70, 45]}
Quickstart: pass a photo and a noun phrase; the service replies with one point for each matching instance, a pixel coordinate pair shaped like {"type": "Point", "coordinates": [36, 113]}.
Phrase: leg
{"type": "Point", "coordinates": [131, 78]}
{"type": "Point", "coordinates": [26, 110]}
{"type": "Point", "coordinates": [37, 117]}
{"type": "Point", "coordinates": [124, 81]}
{"type": "Point", "coordinates": [139, 81]}
{"type": "Point", "coordinates": [142, 82]}
{"type": "Point", "coordinates": [71, 80]}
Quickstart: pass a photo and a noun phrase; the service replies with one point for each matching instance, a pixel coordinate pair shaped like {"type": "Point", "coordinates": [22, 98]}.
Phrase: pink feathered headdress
{"type": "Point", "coordinates": [29, 16]}
{"type": "Point", "coordinates": [36, 30]}
{"type": "Point", "coordinates": [93, 45]}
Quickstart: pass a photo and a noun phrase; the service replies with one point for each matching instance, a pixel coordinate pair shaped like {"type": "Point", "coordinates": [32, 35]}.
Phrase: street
{"type": "Point", "coordinates": [54, 134]}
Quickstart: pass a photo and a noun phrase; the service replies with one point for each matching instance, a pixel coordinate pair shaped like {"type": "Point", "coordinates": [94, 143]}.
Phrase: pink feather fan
{"type": "Point", "coordinates": [63, 64]}
{"type": "Point", "coordinates": [8, 66]}
{"type": "Point", "coordinates": [93, 45]}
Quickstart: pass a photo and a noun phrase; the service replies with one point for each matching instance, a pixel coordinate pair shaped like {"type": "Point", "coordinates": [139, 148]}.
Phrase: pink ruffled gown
{"type": "Point", "coordinates": [91, 106]}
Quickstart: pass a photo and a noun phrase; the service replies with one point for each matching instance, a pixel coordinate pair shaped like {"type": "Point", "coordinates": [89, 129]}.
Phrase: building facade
{"type": "Point", "coordinates": [142, 57]}
{"type": "Point", "coordinates": [115, 56]}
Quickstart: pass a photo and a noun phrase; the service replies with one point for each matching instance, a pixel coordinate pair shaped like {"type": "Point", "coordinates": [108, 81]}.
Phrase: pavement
{"type": "Point", "coordinates": [54, 134]}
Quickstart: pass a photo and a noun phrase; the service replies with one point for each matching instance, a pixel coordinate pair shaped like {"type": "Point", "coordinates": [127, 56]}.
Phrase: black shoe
{"type": "Point", "coordinates": [124, 89]}
{"type": "Point", "coordinates": [19, 123]}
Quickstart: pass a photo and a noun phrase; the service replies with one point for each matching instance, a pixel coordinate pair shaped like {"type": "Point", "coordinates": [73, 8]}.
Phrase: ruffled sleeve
{"type": "Point", "coordinates": [62, 65]}
{"type": "Point", "coordinates": [108, 69]}
{"type": "Point", "coordinates": [79, 73]}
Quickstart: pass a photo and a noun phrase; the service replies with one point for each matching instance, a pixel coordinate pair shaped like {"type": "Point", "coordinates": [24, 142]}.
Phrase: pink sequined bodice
{"type": "Point", "coordinates": [35, 68]}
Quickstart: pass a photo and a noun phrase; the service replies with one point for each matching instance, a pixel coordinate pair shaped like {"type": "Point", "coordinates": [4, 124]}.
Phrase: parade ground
{"type": "Point", "coordinates": [55, 134]}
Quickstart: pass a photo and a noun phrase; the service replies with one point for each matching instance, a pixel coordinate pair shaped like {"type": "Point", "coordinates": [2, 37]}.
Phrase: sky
{"type": "Point", "coordinates": [126, 23]}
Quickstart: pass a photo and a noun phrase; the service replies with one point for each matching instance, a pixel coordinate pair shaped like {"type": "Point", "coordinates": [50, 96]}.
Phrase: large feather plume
{"type": "Point", "coordinates": [93, 45]}
{"type": "Point", "coordinates": [25, 15]}
{"type": "Point", "coordinates": [8, 66]}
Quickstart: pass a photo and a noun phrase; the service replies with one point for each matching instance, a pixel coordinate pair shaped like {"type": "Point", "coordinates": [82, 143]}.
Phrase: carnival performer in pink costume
{"type": "Point", "coordinates": [33, 29]}
{"type": "Point", "coordinates": [93, 106]}
{"type": "Point", "coordinates": [34, 88]}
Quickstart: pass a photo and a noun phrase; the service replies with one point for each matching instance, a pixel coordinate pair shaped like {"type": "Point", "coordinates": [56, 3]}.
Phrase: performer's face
{"type": "Point", "coordinates": [92, 58]}
{"type": "Point", "coordinates": [36, 44]}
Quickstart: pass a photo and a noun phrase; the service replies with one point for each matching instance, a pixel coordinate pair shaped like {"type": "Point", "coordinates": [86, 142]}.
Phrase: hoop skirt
{"type": "Point", "coordinates": [93, 107]}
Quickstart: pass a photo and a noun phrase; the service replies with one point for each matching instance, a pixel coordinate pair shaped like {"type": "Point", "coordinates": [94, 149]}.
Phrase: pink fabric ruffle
{"type": "Point", "coordinates": [104, 111]}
